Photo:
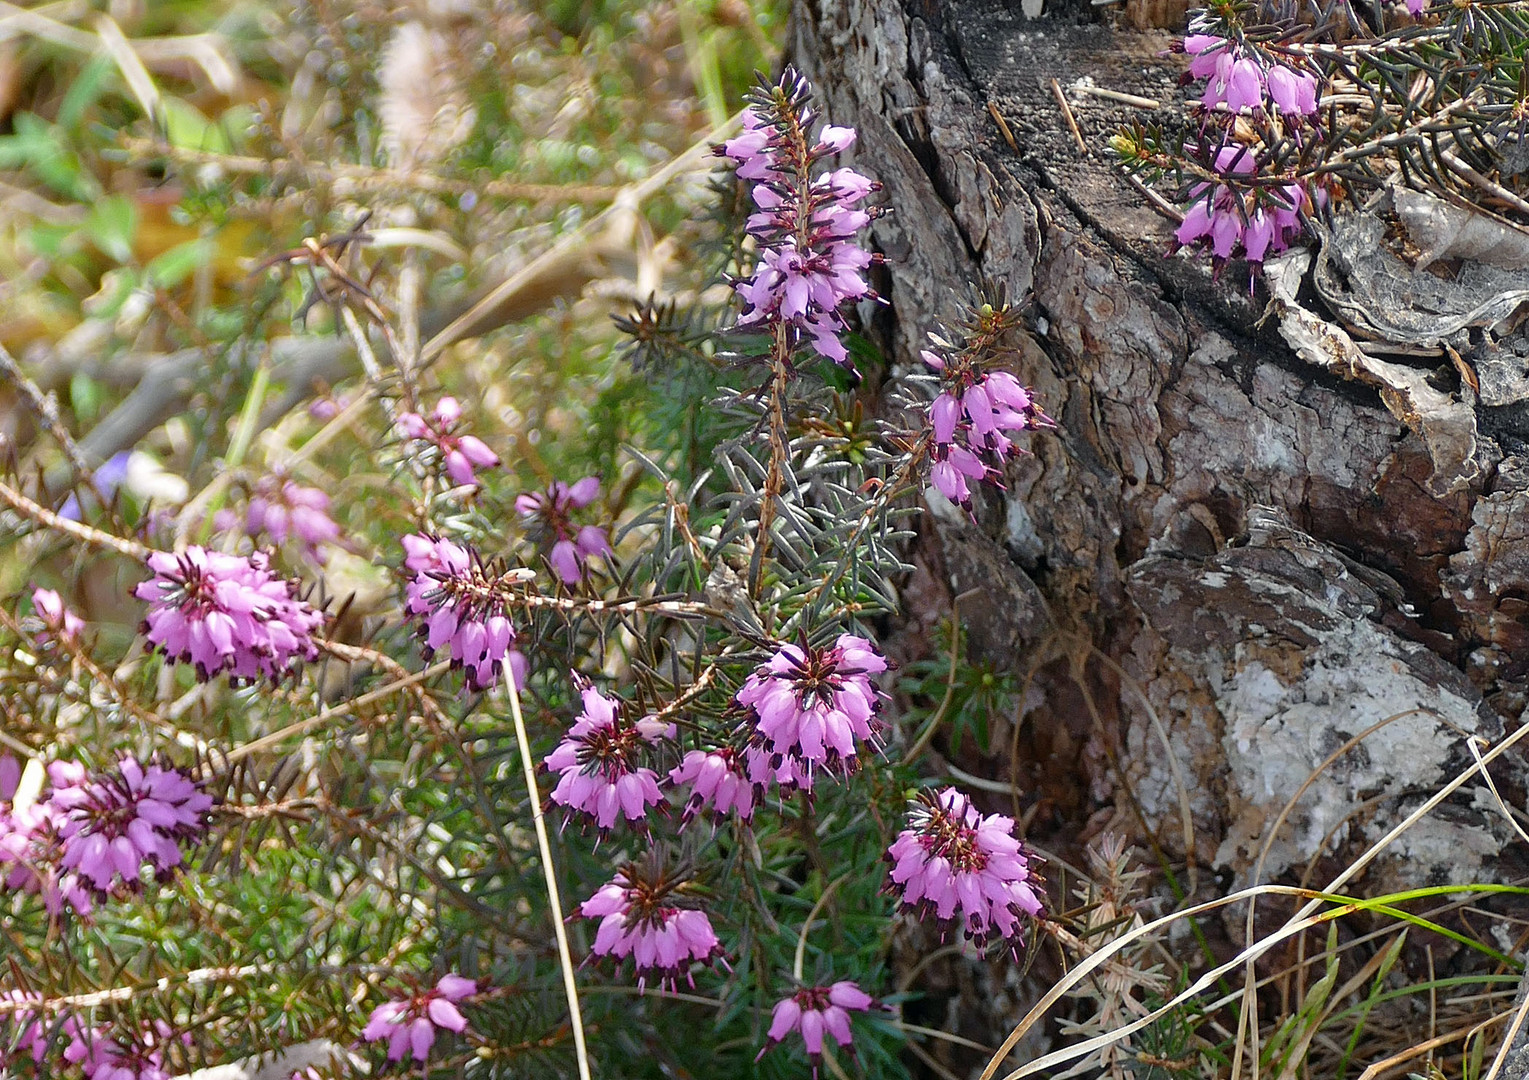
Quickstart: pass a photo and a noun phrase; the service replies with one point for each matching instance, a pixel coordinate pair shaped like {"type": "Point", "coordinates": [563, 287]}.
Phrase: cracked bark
{"type": "Point", "coordinates": [1236, 536]}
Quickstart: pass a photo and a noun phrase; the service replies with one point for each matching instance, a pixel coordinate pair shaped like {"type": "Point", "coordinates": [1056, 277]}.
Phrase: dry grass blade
{"type": "Point", "coordinates": [568, 261]}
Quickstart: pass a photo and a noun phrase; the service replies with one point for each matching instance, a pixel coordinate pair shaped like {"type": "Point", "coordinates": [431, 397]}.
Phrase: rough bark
{"type": "Point", "coordinates": [1235, 550]}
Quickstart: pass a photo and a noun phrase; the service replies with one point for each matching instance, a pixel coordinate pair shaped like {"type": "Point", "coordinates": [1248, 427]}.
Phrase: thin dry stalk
{"type": "Point", "coordinates": [549, 874]}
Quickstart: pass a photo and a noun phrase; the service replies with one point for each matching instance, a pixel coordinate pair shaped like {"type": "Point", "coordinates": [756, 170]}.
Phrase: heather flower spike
{"type": "Point", "coordinates": [463, 605]}
{"type": "Point", "coordinates": [280, 508]}
{"type": "Point", "coordinates": [549, 517]}
{"type": "Point", "coordinates": [1239, 78]}
{"type": "Point", "coordinates": [643, 916]}
{"type": "Point", "coordinates": [965, 868]}
{"type": "Point", "coordinates": [815, 1012]}
{"type": "Point", "coordinates": [972, 420]}
{"type": "Point", "coordinates": [409, 1024]}
{"type": "Point", "coordinates": [597, 761]}
{"type": "Point", "coordinates": [807, 217]}
{"type": "Point", "coordinates": [811, 707]}
{"type": "Point", "coordinates": [717, 777]}
{"type": "Point", "coordinates": [112, 824]}
{"type": "Point", "coordinates": [1241, 217]}
{"type": "Point", "coordinates": [462, 455]}
{"type": "Point", "coordinates": [226, 613]}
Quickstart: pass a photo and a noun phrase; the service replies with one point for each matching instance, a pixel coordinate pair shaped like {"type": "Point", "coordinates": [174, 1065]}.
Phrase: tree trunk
{"type": "Point", "coordinates": [1231, 561]}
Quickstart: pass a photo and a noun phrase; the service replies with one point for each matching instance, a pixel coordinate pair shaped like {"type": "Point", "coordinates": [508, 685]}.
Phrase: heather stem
{"type": "Point", "coordinates": [565, 958]}
{"type": "Point", "coordinates": [780, 448]}
{"type": "Point", "coordinates": [84, 533]}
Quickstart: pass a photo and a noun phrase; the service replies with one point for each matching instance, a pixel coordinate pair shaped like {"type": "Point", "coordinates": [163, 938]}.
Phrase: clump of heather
{"type": "Point", "coordinates": [460, 455]}
{"type": "Point", "coordinates": [463, 605]}
{"type": "Point", "coordinates": [113, 823]}
{"type": "Point", "coordinates": [732, 643]}
{"type": "Point", "coordinates": [228, 613]}
{"type": "Point", "coordinates": [598, 768]}
{"type": "Point", "coordinates": [809, 263]}
{"type": "Point", "coordinates": [965, 869]}
{"type": "Point", "coordinates": [813, 707]}
{"type": "Point", "coordinates": [410, 1024]}
{"type": "Point", "coordinates": [548, 516]}
{"type": "Point", "coordinates": [816, 1012]}
{"type": "Point", "coordinates": [646, 915]}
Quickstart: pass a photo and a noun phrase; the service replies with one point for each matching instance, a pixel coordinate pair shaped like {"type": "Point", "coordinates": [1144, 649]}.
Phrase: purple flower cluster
{"type": "Point", "coordinates": [641, 917]}
{"type": "Point", "coordinates": [280, 508]}
{"type": "Point", "coordinates": [597, 761]}
{"type": "Point", "coordinates": [548, 515]}
{"type": "Point", "coordinates": [809, 264]}
{"type": "Point", "coordinates": [30, 1030]}
{"type": "Point", "coordinates": [1265, 218]}
{"type": "Point", "coordinates": [816, 1011]}
{"type": "Point", "coordinates": [103, 1055]}
{"type": "Point", "coordinates": [99, 1053]}
{"type": "Point", "coordinates": [1240, 78]}
{"type": "Point", "coordinates": [409, 1024]}
{"type": "Point", "coordinates": [971, 420]}
{"type": "Point", "coordinates": [112, 824]}
{"type": "Point", "coordinates": [226, 613]}
{"type": "Point", "coordinates": [811, 707]}
{"type": "Point", "coordinates": [716, 777]}
{"type": "Point", "coordinates": [31, 852]}
{"type": "Point", "coordinates": [463, 455]}
{"type": "Point", "coordinates": [960, 865]}
{"type": "Point", "coordinates": [464, 606]}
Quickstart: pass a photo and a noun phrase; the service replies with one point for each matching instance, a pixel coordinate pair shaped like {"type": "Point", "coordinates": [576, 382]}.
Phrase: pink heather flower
{"type": "Point", "coordinates": [814, 1012]}
{"type": "Point", "coordinates": [31, 1031]}
{"type": "Point", "coordinates": [30, 850]}
{"type": "Point", "coordinates": [971, 420]}
{"type": "Point", "coordinates": [963, 866]}
{"type": "Point", "coordinates": [642, 917]}
{"type": "Point", "coordinates": [226, 613]}
{"type": "Point", "coordinates": [112, 824]}
{"type": "Point", "coordinates": [810, 706]}
{"type": "Point", "coordinates": [1205, 51]}
{"type": "Point", "coordinates": [597, 760]}
{"type": "Point", "coordinates": [409, 1024]}
{"type": "Point", "coordinates": [279, 508]}
{"type": "Point", "coordinates": [58, 618]}
{"type": "Point", "coordinates": [548, 515]}
{"type": "Point", "coordinates": [809, 264]}
{"type": "Point", "coordinates": [461, 454]}
{"type": "Point", "coordinates": [464, 607]}
{"type": "Point", "coordinates": [717, 777]}
{"type": "Point", "coordinates": [1415, 7]}
{"type": "Point", "coordinates": [1294, 92]}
